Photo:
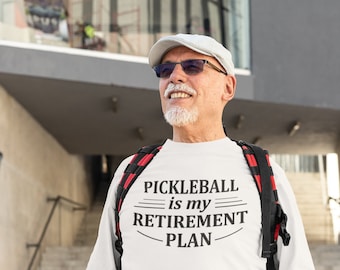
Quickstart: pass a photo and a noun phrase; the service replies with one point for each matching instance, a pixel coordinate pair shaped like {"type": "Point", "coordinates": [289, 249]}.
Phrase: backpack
{"type": "Point", "coordinates": [273, 218]}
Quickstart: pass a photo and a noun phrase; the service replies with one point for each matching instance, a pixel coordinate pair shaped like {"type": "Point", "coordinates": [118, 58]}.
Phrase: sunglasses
{"type": "Point", "coordinates": [190, 67]}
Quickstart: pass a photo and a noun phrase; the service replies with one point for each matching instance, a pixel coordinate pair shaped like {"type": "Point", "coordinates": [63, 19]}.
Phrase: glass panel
{"type": "Point", "coordinates": [238, 37]}
{"type": "Point", "coordinates": [7, 12]}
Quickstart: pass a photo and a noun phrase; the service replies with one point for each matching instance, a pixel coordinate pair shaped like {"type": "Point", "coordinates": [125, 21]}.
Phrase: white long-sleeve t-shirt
{"type": "Point", "coordinates": [196, 206]}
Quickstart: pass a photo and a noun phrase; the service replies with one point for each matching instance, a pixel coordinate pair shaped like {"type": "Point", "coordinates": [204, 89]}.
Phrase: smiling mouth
{"type": "Point", "coordinates": [179, 91]}
{"type": "Point", "coordinates": [178, 95]}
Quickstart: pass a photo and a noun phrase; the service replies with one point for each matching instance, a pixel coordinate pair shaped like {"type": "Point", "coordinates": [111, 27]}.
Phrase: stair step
{"type": "Point", "coordinates": [65, 258]}
{"type": "Point", "coordinates": [326, 257]}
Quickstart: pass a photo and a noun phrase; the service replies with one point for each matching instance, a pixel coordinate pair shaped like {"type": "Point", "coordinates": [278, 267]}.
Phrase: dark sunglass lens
{"type": "Point", "coordinates": [164, 70]}
{"type": "Point", "coordinates": [192, 67]}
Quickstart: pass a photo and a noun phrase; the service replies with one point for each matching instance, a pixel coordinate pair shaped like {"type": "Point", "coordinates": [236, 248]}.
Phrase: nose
{"type": "Point", "coordinates": [177, 75]}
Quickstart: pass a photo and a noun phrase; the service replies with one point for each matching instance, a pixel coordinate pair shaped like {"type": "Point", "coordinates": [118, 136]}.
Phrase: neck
{"type": "Point", "coordinates": [193, 134]}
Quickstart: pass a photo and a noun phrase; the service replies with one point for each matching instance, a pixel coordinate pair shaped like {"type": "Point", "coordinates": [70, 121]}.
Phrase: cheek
{"type": "Point", "coordinates": [162, 87]}
{"type": "Point", "coordinates": [212, 96]}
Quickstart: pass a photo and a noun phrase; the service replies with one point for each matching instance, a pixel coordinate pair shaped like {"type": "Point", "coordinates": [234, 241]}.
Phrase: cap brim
{"type": "Point", "coordinates": [158, 51]}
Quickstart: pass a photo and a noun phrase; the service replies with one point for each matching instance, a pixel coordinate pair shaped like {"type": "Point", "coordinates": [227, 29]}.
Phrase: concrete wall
{"type": "Point", "coordinates": [33, 167]}
{"type": "Point", "coordinates": [295, 51]}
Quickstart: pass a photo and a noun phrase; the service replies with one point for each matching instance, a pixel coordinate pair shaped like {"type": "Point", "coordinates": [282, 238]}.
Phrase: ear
{"type": "Point", "coordinates": [230, 87]}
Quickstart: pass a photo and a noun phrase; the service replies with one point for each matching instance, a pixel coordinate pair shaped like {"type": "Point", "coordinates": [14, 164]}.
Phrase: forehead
{"type": "Point", "coordinates": [182, 53]}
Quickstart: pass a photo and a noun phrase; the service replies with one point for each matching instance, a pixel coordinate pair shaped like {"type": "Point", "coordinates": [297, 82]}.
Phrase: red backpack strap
{"type": "Point", "coordinates": [136, 166]}
{"type": "Point", "coordinates": [273, 218]}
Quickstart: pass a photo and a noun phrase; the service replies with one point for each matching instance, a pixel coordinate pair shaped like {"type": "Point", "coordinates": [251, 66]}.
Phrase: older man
{"type": "Point", "coordinates": [196, 205]}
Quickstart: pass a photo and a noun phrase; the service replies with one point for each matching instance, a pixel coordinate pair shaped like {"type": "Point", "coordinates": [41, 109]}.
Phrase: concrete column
{"type": "Point", "coordinates": [333, 165]}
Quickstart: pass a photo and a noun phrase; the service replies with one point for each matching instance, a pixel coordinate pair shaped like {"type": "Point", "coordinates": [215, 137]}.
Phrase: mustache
{"type": "Point", "coordinates": [179, 87]}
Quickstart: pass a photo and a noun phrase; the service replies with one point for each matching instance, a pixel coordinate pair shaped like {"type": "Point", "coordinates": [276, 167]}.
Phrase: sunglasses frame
{"type": "Point", "coordinates": [199, 70]}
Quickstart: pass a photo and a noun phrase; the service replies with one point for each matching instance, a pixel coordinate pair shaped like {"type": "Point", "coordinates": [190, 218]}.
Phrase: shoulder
{"type": "Point", "coordinates": [278, 171]}
{"type": "Point", "coordinates": [117, 176]}
{"type": "Point", "coordinates": [123, 165]}
{"type": "Point", "coordinates": [282, 183]}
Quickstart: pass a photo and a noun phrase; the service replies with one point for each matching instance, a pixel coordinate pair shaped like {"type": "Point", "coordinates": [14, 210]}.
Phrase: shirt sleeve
{"type": "Point", "coordinates": [104, 254]}
{"type": "Point", "coordinates": [296, 255]}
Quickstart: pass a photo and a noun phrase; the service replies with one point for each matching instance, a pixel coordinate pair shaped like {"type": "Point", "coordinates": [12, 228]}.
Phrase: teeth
{"type": "Point", "coordinates": [179, 95]}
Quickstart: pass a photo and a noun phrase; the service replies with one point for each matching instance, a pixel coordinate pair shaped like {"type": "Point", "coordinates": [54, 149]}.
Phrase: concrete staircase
{"type": "Point", "coordinates": [317, 220]}
{"type": "Point", "coordinates": [316, 216]}
{"type": "Point", "coordinates": [77, 256]}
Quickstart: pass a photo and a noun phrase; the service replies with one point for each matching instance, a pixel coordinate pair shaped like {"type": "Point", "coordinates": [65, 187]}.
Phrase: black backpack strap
{"type": "Point", "coordinates": [136, 166]}
{"type": "Point", "coordinates": [273, 218]}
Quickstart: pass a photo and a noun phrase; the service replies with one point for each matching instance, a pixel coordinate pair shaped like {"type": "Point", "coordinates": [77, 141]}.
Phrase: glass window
{"type": "Point", "coordinates": [7, 12]}
{"type": "Point", "coordinates": [132, 26]}
{"type": "Point", "coordinates": [143, 22]}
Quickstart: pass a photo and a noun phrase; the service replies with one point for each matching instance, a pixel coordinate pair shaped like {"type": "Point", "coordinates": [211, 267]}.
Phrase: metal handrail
{"type": "Point", "coordinates": [56, 201]}
{"type": "Point", "coordinates": [337, 200]}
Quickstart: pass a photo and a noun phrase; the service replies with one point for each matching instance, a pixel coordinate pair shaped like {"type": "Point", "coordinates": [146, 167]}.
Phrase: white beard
{"type": "Point", "coordinates": [178, 116]}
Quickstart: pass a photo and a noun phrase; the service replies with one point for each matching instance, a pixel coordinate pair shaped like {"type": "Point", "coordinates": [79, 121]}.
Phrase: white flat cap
{"type": "Point", "coordinates": [199, 43]}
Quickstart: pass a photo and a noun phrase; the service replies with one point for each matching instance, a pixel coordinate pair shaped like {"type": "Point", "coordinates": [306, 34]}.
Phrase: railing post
{"type": "Point", "coordinates": [37, 245]}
